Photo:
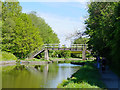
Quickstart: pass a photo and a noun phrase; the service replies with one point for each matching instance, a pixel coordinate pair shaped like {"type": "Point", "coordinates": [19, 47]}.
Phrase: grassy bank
{"type": "Point", "coordinates": [77, 61]}
{"type": "Point", "coordinates": [6, 56]}
{"type": "Point", "coordinates": [35, 59]}
{"type": "Point", "coordinates": [86, 77]}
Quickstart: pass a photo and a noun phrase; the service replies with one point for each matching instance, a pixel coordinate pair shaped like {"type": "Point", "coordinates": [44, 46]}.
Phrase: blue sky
{"type": "Point", "coordinates": [65, 18]}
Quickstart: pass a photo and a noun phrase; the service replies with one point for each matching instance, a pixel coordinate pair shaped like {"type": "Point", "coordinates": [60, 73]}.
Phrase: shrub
{"type": "Point", "coordinates": [6, 56]}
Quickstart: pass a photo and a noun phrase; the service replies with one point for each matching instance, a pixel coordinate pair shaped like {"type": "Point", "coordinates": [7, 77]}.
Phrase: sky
{"type": "Point", "coordinates": [65, 18]}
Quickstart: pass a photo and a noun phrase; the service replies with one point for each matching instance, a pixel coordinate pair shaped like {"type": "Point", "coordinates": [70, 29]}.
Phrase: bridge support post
{"type": "Point", "coordinates": [46, 56]}
{"type": "Point", "coordinates": [84, 53]}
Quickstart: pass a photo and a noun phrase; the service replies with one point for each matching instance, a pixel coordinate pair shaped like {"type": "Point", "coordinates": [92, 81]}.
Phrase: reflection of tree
{"type": "Point", "coordinates": [48, 72]}
{"type": "Point", "coordinates": [53, 69]}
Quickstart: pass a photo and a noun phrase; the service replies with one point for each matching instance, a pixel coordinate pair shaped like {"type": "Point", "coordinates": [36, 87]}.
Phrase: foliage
{"type": "Point", "coordinates": [8, 56]}
{"type": "Point", "coordinates": [103, 27]}
{"type": "Point", "coordinates": [45, 30]}
{"type": "Point", "coordinates": [34, 59]}
{"type": "Point", "coordinates": [86, 77]}
{"type": "Point", "coordinates": [23, 33]}
{"type": "Point", "coordinates": [65, 53]}
{"type": "Point", "coordinates": [81, 40]}
{"type": "Point", "coordinates": [8, 68]}
{"type": "Point", "coordinates": [60, 53]}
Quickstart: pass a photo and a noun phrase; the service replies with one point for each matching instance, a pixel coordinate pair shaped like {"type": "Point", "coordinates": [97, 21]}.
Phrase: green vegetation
{"type": "Point", "coordinates": [8, 68]}
{"type": "Point", "coordinates": [103, 28]}
{"type": "Point", "coordinates": [45, 30]}
{"type": "Point", "coordinates": [86, 77]}
{"type": "Point", "coordinates": [37, 60]}
{"type": "Point", "coordinates": [81, 40]}
{"type": "Point", "coordinates": [77, 61]}
{"type": "Point", "coordinates": [6, 56]}
{"type": "Point", "coordinates": [60, 53]}
{"type": "Point", "coordinates": [23, 33]}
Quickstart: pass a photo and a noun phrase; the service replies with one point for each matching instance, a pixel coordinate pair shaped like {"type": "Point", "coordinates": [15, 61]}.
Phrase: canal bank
{"type": "Point", "coordinates": [23, 62]}
{"type": "Point", "coordinates": [41, 61]}
{"type": "Point", "coordinates": [87, 76]}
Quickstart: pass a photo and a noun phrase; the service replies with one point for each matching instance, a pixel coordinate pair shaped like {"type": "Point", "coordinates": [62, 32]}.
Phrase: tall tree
{"type": "Point", "coordinates": [19, 36]}
{"type": "Point", "coordinates": [27, 36]}
{"type": "Point", "coordinates": [103, 27]}
{"type": "Point", "coordinates": [45, 30]}
{"type": "Point", "coordinates": [81, 40]}
{"type": "Point", "coordinates": [10, 11]}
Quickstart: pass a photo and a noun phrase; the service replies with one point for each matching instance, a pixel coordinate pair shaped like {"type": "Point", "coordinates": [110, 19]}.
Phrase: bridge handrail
{"type": "Point", "coordinates": [79, 44]}
{"type": "Point", "coordinates": [73, 46]}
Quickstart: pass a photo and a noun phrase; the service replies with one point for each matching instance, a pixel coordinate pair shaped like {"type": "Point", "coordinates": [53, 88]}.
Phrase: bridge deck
{"type": "Point", "coordinates": [71, 49]}
{"type": "Point", "coordinates": [74, 48]}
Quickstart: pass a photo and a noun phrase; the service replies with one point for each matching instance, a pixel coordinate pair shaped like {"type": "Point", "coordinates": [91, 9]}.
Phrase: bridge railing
{"type": "Point", "coordinates": [34, 52]}
{"type": "Point", "coordinates": [51, 45]}
{"type": "Point", "coordinates": [73, 46]}
{"type": "Point", "coordinates": [58, 47]}
{"type": "Point", "coordinates": [78, 46]}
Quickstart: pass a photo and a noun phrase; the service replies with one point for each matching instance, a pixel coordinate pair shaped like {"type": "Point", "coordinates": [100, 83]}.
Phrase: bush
{"type": "Point", "coordinates": [65, 54]}
{"type": "Point", "coordinates": [6, 56]}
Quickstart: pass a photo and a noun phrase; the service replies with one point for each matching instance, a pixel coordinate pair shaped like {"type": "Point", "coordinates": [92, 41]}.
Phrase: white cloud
{"type": "Point", "coordinates": [63, 26]}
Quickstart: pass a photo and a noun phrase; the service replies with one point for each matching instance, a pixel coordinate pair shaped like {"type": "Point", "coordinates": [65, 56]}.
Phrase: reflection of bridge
{"type": "Point", "coordinates": [74, 48]}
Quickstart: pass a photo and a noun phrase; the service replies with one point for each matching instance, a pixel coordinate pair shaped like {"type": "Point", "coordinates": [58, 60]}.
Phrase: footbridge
{"type": "Point", "coordinates": [74, 48]}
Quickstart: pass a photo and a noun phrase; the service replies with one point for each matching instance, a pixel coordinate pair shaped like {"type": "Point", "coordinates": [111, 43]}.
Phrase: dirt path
{"type": "Point", "coordinates": [110, 79]}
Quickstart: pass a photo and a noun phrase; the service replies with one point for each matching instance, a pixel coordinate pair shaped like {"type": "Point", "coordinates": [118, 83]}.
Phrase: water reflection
{"type": "Point", "coordinates": [36, 76]}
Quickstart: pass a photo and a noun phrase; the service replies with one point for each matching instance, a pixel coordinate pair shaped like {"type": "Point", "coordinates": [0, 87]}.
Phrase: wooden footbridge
{"type": "Point", "coordinates": [74, 48]}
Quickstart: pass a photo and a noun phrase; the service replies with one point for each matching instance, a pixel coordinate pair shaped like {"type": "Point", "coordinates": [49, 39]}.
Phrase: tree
{"type": "Point", "coordinates": [103, 27]}
{"type": "Point", "coordinates": [19, 36]}
{"type": "Point", "coordinates": [27, 36]}
{"type": "Point", "coordinates": [45, 30]}
{"type": "Point", "coordinates": [81, 40]}
{"type": "Point", "coordinates": [10, 11]}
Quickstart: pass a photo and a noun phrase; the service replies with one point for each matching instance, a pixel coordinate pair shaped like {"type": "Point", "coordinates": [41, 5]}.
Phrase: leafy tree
{"type": "Point", "coordinates": [45, 30]}
{"type": "Point", "coordinates": [19, 36]}
{"type": "Point", "coordinates": [81, 40]}
{"type": "Point", "coordinates": [103, 27]}
{"type": "Point", "coordinates": [27, 36]}
{"type": "Point", "coordinates": [10, 11]}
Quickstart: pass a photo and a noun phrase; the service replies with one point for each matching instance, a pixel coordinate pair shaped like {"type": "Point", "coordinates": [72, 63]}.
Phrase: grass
{"type": "Point", "coordinates": [86, 77]}
{"type": "Point", "coordinates": [6, 56]}
{"type": "Point", "coordinates": [69, 61]}
{"type": "Point", "coordinates": [35, 59]}
{"type": "Point", "coordinates": [64, 58]}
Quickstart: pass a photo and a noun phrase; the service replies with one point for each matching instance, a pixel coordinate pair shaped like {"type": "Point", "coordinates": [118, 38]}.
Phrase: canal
{"type": "Point", "coordinates": [36, 76]}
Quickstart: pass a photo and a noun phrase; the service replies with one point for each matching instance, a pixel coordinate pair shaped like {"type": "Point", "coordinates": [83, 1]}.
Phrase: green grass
{"type": "Point", "coordinates": [6, 56]}
{"type": "Point", "coordinates": [35, 59]}
{"type": "Point", "coordinates": [63, 58]}
{"type": "Point", "coordinates": [86, 77]}
{"type": "Point", "coordinates": [78, 61]}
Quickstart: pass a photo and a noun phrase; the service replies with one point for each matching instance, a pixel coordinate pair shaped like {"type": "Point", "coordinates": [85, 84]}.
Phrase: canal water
{"type": "Point", "coordinates": [36, 76]}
